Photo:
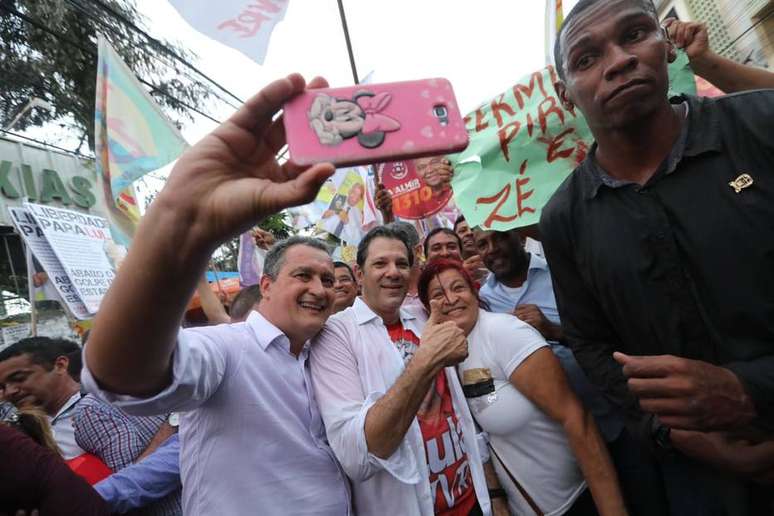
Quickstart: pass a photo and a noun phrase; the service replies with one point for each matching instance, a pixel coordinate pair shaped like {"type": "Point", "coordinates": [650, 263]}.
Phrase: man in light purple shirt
{"type": "Point", "coordinates": [252, 439]}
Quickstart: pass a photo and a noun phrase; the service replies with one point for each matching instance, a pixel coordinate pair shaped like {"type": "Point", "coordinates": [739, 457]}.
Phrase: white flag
{"type": "Point", "coordinates": [244, 25]}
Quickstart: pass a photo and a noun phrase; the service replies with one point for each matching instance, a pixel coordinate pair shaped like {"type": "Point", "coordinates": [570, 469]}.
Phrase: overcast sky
{"type": "Point", "coordinates": [482, 47]}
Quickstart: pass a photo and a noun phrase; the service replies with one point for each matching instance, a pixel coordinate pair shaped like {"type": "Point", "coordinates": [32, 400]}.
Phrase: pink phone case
{"type": "Point", "coordinates": [374, 123]}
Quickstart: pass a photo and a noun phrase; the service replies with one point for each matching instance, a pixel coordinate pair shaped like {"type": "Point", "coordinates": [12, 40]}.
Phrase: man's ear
{"type": "Point", "coordinates": [61, 364]}
{"type": "Point", "coordinates": [266, 284]}
{"type": "Point", "coordinates": [564, 95]}
{"type": "Point", "coordinates": [358, 275]}
{"type": "Point", "coordinates": [419, 253]}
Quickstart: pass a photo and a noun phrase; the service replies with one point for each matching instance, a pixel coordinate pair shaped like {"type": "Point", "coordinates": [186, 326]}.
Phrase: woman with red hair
{"type": "Point", "coordinates": [545, 447]}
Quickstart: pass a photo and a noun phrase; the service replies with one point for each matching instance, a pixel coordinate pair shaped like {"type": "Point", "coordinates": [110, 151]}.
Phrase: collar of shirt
{"type": "Point", "coordinates": [688, 144]}
{"type": "Point", "coordinates": [536, 263]}
{"type": "Point", "coordinates": [266, 333]}
{"type": "Point", "coordinates": [364, 315]}
{"type": "Point", "coordinates": [67, 407]}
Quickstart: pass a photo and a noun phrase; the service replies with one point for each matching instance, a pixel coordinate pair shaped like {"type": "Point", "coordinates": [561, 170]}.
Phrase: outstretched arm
{"type": "Point", "coordinates": [220, 187]}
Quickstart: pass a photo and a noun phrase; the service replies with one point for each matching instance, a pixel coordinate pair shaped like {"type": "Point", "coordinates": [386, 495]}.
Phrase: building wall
{"type": "Point", "coordinates": [742, 30]}
{"type": "Point", "coordinates": [754, 46]}
{"type": "Point", "coordinates": [711, 13]}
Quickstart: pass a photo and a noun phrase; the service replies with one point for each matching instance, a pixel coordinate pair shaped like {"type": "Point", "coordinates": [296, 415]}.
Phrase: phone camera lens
{"type": "Point", "coordinates": [440, 111]}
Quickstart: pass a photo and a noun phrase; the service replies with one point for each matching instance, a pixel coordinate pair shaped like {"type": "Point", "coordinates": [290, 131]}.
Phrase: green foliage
{"type": "Point", "coordinates": [52, 55]}
{"type": "Point", "coordinates": [276, 225]}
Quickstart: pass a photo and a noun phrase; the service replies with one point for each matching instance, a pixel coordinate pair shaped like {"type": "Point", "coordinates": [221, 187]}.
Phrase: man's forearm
{"type": "Point", "coordinates": [389, 419]}
{"type": "Point", "coordinates": [211, 305]}
{"type": "Point", "coordinates": [134, 334]}
{"type": "Point", "coordinates": [731, 76]}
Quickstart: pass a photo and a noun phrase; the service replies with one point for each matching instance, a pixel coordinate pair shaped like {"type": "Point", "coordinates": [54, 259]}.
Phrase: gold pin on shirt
{"type": "Point", "coordinates": [741, 182]}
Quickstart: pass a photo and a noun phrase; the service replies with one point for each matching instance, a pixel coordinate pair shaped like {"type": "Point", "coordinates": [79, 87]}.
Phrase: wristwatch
{"type": "Point", "coordinates": [174, 419]}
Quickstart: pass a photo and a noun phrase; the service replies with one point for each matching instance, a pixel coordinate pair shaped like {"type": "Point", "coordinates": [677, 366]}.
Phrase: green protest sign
{"type": "Point", "coordinates": [523, 144]}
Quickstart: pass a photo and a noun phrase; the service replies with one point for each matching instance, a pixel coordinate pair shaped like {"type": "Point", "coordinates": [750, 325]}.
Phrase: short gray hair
{"type": "Point", "coordinates": [408, 229]}
{"type": "Point", "coordinates": [275, 258]}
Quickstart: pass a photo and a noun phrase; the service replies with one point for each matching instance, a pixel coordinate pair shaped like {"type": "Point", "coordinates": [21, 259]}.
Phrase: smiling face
{"type": "Point", "coordinates": [614, 55]}
{"type": "Point", "coordinates": [502, 252]}
{"type": "Point", "coordinates": [27, 383]}
{"type": "Point", "coordinates": [428, 171]}
{"type": "Point", "coordinates": [466, 235]}
{"type": "Point", "coordinates": [300, 299]}
{"type": "Point", "coordinates": [458, 301]}
{"type": "Point", "coordinates": [443, 245]}
{"type": "Point", "coordinates": [344, 288]}
{"type": "Point", "coordinates": [384, 277]}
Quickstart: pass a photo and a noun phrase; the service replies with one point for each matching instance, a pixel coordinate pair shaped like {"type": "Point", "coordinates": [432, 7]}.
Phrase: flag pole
{"type": "Point", "coordinates": [31, 289]}
{"type": "Point", "coordinates": [349, 42]}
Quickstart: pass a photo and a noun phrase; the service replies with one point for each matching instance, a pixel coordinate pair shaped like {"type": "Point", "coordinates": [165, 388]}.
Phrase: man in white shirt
{"type": "Point", "coordinates": [393, 407]}
{"type": "Point", "coordinates": [252, 439]}
{"type": "Point", "coordinates": [34, 372]}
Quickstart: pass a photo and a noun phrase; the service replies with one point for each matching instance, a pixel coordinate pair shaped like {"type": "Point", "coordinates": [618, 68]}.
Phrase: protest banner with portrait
{"type": "Point", "coordinates": [523, 144]}
{"type": "Point", "coordinates": [81, 243]}
{"type": "Point", "coordinates": [343, 195]}
{"type": "Point", "coordinates": [416, 189]}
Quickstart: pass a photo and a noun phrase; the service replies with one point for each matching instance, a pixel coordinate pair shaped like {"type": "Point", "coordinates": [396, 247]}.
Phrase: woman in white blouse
{"type": "Point", "coordinates": [545, 447]}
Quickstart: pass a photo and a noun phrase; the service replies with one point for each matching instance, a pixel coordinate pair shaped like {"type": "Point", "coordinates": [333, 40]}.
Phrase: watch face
{"type": "Point", "coordinates": [174, 419]}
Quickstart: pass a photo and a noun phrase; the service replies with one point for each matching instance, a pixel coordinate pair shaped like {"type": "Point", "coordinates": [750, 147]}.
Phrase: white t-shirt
{"type": "Point", "coordinates": [63, 430]}
{"type": "Point", "coordinates": [533, 446]}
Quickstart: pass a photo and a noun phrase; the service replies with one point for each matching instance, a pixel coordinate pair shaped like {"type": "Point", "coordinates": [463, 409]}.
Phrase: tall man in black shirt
{"type": "Point", "coordinates": [661, 246]}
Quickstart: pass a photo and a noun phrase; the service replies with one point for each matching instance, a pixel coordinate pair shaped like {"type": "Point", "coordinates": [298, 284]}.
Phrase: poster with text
{"type": "Point", "coordinates": [417, 190]}
{"type": "Point", "coordinates": [53, 273]}
{"type": "Point", "coordinates": [80, 241]}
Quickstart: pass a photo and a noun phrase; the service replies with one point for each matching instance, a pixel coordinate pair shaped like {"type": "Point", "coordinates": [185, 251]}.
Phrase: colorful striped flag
{"type": "Point", "coordinates": [554, 20]}
{"type": "Point", "coordinates": [132, 137]}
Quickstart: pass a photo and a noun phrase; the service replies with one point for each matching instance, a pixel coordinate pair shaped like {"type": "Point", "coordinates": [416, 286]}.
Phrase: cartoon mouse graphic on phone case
{"type": "Point", "coordinates": [335, 120]}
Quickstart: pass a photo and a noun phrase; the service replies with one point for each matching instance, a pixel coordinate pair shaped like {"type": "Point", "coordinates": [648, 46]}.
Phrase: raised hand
{"type": "Point", "coordinates": [231, 179]}
{"type": "Point", "coordinates": [442, 342]}
{"type": "Point", "coordinates": [690, 36]}
{"type": "Point", "coordinates": [475, 267]}
{"type": "Point", "coordinates": [383, 201]}
{"type": "Point", "coordinates": [533, 316]}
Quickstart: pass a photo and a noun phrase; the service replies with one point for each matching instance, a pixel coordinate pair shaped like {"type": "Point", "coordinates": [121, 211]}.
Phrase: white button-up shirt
{"type": "Point", "coordinates": [354, 363]}
{"type": "Point", "coordinates": [252, 441]}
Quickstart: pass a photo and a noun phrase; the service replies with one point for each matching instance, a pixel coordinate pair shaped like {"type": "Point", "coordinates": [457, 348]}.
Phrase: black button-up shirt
{"type": "Point", "coordinates": [683, 265]}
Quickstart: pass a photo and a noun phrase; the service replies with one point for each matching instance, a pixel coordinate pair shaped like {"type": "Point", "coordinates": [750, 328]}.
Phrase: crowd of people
{"type": "Point", "coordinates": [616, 359]}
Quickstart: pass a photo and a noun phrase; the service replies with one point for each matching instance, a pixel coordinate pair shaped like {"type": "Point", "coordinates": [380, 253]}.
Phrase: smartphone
{"type": "Point", "coordinates": [374, 123]}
